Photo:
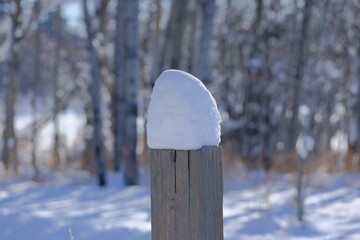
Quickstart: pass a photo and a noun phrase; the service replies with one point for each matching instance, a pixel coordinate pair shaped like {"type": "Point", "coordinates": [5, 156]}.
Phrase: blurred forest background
{"type": "Point", "coordinates": [76, 78]}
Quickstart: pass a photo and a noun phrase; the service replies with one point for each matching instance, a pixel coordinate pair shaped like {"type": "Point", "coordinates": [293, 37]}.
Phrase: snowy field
{"type": "Point", "coordinates": [73, 202]}
{"type": "Point", "coordinates": [252, 210]}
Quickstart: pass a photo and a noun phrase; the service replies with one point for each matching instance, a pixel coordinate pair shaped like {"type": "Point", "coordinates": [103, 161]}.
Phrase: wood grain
{"type": "Point", "coordinates": [186, 194]}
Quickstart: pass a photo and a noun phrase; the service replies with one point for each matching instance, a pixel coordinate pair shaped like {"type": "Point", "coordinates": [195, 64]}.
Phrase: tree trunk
{"type": "Point", "coordinates": [132, 79]}
{"type": "Point", "coordinates": [88, 160]}
{"type": "Point", "coordinates": [95, 92]}
{"type": "Point", "coordinates": [10, 157]}
{"type": "Point", "coordinates": [155, 45]}
{"type": "Point", "coordinates": [294, 127]}
{"type": "Point", "coordinates": [354, 145]}
{"type": "Point", "coordinates": [300, 189]}
{"type": "Point", "coordinates": [36, 79]}
{"type": "Point", "coordinates": [172, 51]}
{"type": "Point", "coordinates": [56, 146]}
{"type": "Point", "coordinates": [119, 87]}
{"type": "Point", "coordinates": [194, 22]}
{"type": "Point", "coordinates": [208, 12]}
{"type": "Point", "coordinates": [302, 54]}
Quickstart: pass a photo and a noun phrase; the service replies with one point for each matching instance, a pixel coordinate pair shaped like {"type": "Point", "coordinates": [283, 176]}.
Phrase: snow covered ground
{"type": "Point", "coordinates": [73, 202]}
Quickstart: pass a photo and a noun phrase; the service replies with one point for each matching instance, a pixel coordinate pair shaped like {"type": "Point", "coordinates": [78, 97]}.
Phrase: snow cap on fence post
{"type": "Point", "coordinates": [182, 113]}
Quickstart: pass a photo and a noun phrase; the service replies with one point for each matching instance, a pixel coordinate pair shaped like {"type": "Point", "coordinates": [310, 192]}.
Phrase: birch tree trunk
{"type": "Point", "coordinates": [356, 147]}
{"type": "Point", "coordinates": [36, 78]}
{"type": "Point", "coordinates": [208, 8]}
{"type": "Point", "coordinates": [119, 87]}
{"type": "Point", "coordinates": [88, 160]}
{"type": "Point", "coordinates": [56, 146]}
{"type": "Point", "coordinates": [132, 79]}
{"type": "Point", "coordinates": [253, 84]}
{"type": "Point", "coordinates": [301, 59]}
{"type": "Point", "coordinates": [300, 190]}
{"type": "Point", "coordinates": [358, 112]}
{"type": "Point", "coordinates": [354, 142]}
{"type": "Point", "coordinates": [294, 127]}
{"type": "Point", "coordinates": [10, 157]}
{"type": "Point", "coordinates": [194, 22]}
{"type": "Point", "coordinates": [95, 92]}
{"type": "Point", "coordinates": [172, 51]}
{"type": "Point", "coordinates": [155, 38]}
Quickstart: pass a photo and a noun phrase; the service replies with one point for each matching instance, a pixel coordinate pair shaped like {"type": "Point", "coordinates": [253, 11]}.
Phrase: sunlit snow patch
{"type": "Point", "coordinates": [182, 113]}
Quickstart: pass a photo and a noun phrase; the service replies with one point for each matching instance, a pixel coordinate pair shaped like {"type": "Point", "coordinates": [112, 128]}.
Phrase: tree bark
{"type": "Point", "coordinates": [172, 51]}
{"type": "Point", "coordinates": [194, 22]}
{"type": "Point", "coordinates": [302, 54]}
{"type": "Point", "coordinates": [294, 127]}
{"type": "Point", "coordinates": [119, 87]}
{"type": "Point", "coordinates": [300, 189]}
{"type": "Point", "coordinates": [56, 111]}
{"type": "Point", "coordinates": [155, 44]}
{"type": "Point", "coordinates": [208, 8]}
{"type": "Point", "coordinates": [95, 92]}
{"type": "Point", "coordinates": [132, 82]}
{"type": "Point", "coordinates": [10, 157]}
{"type": "Point", "coordinates": [36, 79]}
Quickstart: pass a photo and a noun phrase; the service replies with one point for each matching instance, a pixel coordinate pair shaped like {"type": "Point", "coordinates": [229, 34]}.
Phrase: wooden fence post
{"type": "Point", "coordinates": [186, 194]}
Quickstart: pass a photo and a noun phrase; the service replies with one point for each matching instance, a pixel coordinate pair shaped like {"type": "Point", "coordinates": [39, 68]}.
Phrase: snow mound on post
{"type": "Point", "coordinates": [182, 114]}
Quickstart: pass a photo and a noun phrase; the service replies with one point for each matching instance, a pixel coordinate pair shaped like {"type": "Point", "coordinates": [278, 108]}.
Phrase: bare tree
{"type": "Point", "coordinates": [96, 98]}
{"type": "Point", "coordinates": [36, 79]}
{"type": "Point", "coordinates": [119, 90]}
{"type": "Point", "coordinates": [192, 37]}
{"type": "Point", "coordinates": [18, 32]}
{"type": "Point", "coordinates": [155, 38]}
{"type": "Point", "coordinates": [301, 62]}
{"type": "Point", "coordinates": [9, 138]}
{"type": "Point", "coordinates": [55, 78]}
{"type": "Point", "coordinates": [208, 8]}
{"type": "Point", "coordinates": [132, 86]}
{"type": "Point", "coordinates": [172, 51]}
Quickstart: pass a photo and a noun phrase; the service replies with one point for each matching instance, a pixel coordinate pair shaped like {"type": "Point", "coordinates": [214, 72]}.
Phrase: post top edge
{"type": "Point", "coordinates": [202, 148]}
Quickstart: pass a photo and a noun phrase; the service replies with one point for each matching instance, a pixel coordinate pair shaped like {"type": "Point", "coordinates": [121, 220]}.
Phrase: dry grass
{"type": "Point", "coordinates": [329, 161]}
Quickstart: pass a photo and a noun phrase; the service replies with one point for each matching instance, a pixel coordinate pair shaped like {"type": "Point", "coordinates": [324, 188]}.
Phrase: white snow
{"type": "Point", "coordinates": [182, 114]}
{"type": "Point", "coordinates": [339, 142]}
{"type": "Point", "coordinates": [67, 120]}
{"type": "Point", "coordinates": [304, 144]}
{"type": "Point", "coordinates": [72, 201]}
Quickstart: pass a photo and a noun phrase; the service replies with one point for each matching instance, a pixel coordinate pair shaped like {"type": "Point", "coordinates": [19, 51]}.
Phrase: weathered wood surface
{"type": "Point", "coordinates": [186, 194]}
